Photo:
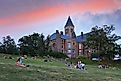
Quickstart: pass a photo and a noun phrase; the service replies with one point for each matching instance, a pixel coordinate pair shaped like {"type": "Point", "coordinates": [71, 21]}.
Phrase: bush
{"type": "Point", "coordinates": [57, 54]}
{"type": "Point", "coordinates": [83, 59]}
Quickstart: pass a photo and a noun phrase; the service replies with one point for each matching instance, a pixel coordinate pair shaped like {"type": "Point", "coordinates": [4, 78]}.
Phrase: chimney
{"type": "Point", "coordinates": [61, 32]}
{"type": "Point", "coordinates": [82, 34]}
{"type": "Point", "coordinates": [57, 32]}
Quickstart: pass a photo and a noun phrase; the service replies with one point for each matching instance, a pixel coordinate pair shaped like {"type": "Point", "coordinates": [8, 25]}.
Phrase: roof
{"type": "Point", "coordinates": [69, 22]}
{"type": "Point", "coordinates": [81, 38]}
{"type": "Point", "coordinates": [54, 36]}
{"type": "Point", "coordinates": [65, 37]}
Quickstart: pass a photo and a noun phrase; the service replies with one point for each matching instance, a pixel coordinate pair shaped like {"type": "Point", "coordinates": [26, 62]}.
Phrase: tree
{"type": "Point", "coordinates": [101, 40]}
{"type": "Point", "coordinates": [36, 45]}
{"type": "Point", "coordinates": [32, 45]}
{"type": "Point", "coordinates": [8, 46]}
{"type": "Point", "coordinates": [47, 42]}
{"type": "Point", "coordinates": [1, 51]}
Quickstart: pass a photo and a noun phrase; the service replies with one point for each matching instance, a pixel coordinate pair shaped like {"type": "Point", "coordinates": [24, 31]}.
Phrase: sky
{"type": "Point", "coordinates": [19, 18]}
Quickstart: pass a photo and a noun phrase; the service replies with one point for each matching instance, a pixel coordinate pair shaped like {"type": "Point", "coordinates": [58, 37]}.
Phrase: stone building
{"type": "Point", "coordinates": [68, 42]}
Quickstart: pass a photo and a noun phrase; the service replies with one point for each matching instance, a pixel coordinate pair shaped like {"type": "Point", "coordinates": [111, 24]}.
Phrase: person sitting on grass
{"type": "Point", "coordinates": [20, 62]}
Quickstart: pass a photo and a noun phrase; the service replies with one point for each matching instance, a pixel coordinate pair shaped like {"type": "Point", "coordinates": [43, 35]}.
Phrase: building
{"type": "Point", "coordinates": [68, 42]}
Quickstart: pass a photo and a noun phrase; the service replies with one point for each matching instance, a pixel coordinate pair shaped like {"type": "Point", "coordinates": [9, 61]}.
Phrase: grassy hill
{"type": "Point", "coordinates": [54, 71]}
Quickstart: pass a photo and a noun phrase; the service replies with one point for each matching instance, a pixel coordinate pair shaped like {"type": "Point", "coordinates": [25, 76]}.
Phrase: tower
{"type": "Point", "coordinates": [69, 28]}
{"type": "Point", "coordinates": [71, 41]}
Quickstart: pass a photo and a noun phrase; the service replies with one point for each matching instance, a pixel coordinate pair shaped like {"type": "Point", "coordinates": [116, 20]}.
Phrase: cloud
{"type": "Point", "coordinates": [110, 18]}
{"type": "Point", "coordinates": [84, 22]}
{"type": "Point", "coordinates": [12, 7]}
{"type": "Point", "coordinates": [117, 1]}
{"type": "Point", "coordinates": [14, 14]}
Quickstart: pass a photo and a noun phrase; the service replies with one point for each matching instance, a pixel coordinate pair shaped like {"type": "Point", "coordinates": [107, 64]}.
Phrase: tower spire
{"type": "Point", "coordinates": [69, 22]}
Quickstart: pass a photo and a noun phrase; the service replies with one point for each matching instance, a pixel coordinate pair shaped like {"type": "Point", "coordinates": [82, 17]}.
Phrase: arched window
{"type": "Point", "coordinates": [71, 30]}
{"type": "Point", "coordinates": [54, 45]}
{"type": "Point", "coordinates": [66, 31]}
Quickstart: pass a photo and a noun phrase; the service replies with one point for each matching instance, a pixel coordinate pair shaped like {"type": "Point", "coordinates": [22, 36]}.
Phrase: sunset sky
{"type": "Point", "coordinates": [23, 17]}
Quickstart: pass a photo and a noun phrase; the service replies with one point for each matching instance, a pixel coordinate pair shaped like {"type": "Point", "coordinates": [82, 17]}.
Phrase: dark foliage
{"type": "Point", "coordinates": [8, 46]}
{"type": "Point", "coordinates": [102, 42]}
{"type": "Point", "coordinates": [57, 54]}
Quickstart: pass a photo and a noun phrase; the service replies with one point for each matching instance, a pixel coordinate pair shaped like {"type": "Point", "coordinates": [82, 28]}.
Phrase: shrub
{"type": "Point", "coordinates": [84, 59]}
{"type": "Point", "coordinates": [57, 54]}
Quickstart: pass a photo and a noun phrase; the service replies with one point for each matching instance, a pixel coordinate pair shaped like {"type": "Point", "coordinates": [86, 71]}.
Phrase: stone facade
{"type": "Point", "coordinates": [68, 42]}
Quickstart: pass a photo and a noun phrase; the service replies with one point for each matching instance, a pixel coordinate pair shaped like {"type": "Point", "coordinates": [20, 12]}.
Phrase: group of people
{"type": "Point", "coordinates": [20, 63]}
{"type": "Point", "coordinates": [79, 65]}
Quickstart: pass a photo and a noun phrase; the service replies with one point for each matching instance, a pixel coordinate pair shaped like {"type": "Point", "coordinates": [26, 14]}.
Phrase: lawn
{"type": "Point", "coordinates": [54, 71]}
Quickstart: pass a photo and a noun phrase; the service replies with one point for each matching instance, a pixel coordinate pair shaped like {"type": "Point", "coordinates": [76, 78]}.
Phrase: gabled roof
{"type": "Point", "coordinates": [82, 38]}
{"type": "Point", "coordinates": [69, 22]}
{"type": "Point", "coordinates": [54, 36]}
{"type": "Point", "coordinates": [79, 38]}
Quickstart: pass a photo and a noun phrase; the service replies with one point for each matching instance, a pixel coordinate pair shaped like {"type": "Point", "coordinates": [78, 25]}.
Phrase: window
{"type": "Point", "coordinates": [54, 44]}
{"type": "Point", "coordinates": [71, 30]}
{"type": "Point", "coordinates": [69, 51]}
{"type": "Point", "coordinates": [73, 51]}
{"type": "Point", "coordinates": [80, 51]}
{"type": "Point", "coordinates": [62, 41]}
{"type": "Point", "coordinates": [66, 31]}
{"type": "Point", "coordinates": [69, 45]}
{"type": "Point", "coordinates": [80, 46]}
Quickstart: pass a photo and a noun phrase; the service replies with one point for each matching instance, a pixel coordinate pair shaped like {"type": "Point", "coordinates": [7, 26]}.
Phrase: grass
{"type": "Point", "coordinates": [54, 71]}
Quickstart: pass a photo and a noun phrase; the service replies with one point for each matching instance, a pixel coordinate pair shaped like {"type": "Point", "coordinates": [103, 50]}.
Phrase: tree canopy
{"type": "Point", "coordinates": [102, 41]}
{"type": "Point", "coordinates": [37, 45]}
{"type": "Point", "coordinates": [8, 46]}
{"type": "Point", "coordinates": [32, 45]}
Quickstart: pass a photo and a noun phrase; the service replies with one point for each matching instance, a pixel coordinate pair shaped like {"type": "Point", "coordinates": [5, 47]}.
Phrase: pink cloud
{"type": "Point", "coordinates": [48, 13]}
